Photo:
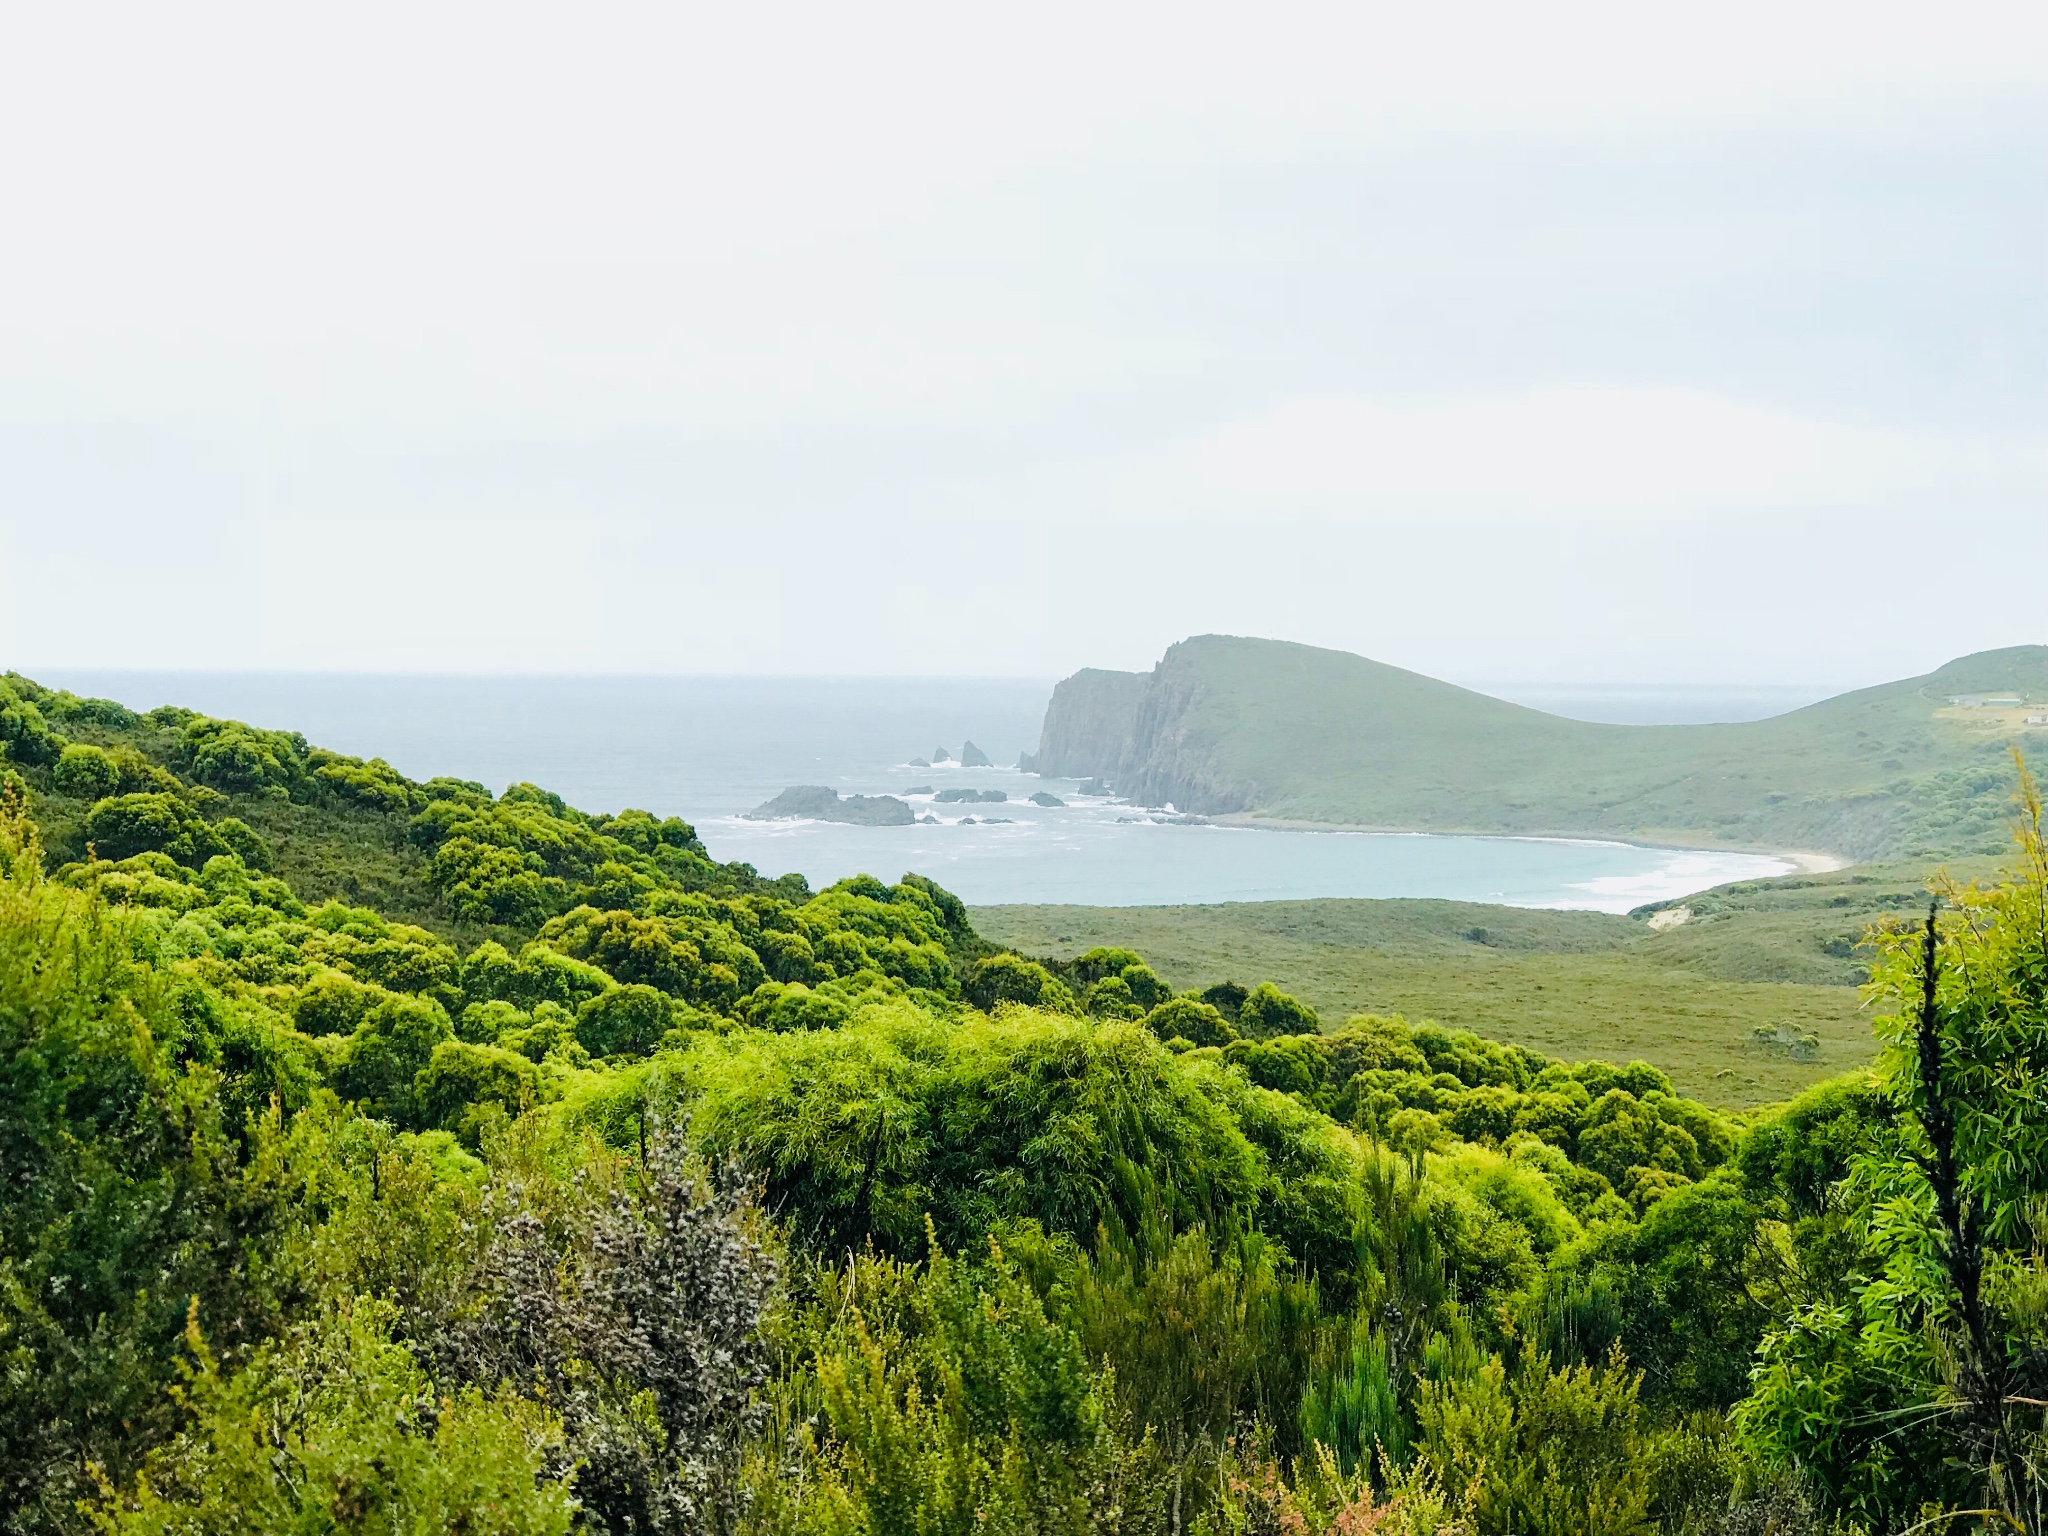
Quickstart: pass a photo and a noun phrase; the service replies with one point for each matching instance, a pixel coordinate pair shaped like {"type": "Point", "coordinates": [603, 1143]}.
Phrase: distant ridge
{"type": "Point", "coordinates": [1268, 729]}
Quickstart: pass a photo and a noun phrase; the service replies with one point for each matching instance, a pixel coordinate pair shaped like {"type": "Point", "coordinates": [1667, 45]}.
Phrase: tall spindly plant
{"type": "Point", "coordinates": [1932, 1387]}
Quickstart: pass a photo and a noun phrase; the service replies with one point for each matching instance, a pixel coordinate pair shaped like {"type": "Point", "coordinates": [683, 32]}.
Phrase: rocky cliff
{"type": "Point", "coordinates": [1138, 731]}
{"type": "Point", "coordinates": [1089, 724]}
{"type": "Point", "coordinates": [1176, 755]}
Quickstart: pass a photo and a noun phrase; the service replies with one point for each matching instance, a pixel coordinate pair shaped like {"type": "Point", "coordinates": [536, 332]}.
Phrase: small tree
{"type": "Point", "coordinates": [1961, 1193]}
{"type": "Point", "coordinates": [1931, 1384]}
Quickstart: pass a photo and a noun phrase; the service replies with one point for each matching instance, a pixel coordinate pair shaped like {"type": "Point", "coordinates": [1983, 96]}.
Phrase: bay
{"type": "Point", "coordinates": [710, 748]}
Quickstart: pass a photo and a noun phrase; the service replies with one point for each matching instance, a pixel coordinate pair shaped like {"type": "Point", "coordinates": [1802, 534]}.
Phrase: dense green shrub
{"type": "Point", "coordinates": [1007, 978]}
{"type": "Point", "coordinates": [628, 1020]}
{"type": "Point", "coordinates": [85, 773]}
{"type": "Point", "coordinates": [1266, 1010]}
{"type": "Point", "coordinates": [28, 740]}
{"type": "Point", "coordinates": [240, 759]}
{"type": "Point", "coordinates": [152, 822]}
{"type": "Point", "coordinates": [862, 1130]}
{"type": "Point", "coordinates": [119, 1196]}
{"type": "Point", "coordinates": [1190, 1019]}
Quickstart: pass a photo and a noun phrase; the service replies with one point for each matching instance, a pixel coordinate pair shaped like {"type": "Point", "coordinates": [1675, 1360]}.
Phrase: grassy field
{"type": "Point", "coordinates": [1292, 732]}
{"type": "Point", "coordinates": [1777, 954]}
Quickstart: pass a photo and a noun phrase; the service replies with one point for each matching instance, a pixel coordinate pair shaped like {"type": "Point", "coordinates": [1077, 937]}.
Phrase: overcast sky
{"type": "Point", "coordinates": [1570, 343]}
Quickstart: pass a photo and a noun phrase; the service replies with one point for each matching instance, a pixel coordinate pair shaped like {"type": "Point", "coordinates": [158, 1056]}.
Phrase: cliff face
{"type": "Point", "coordinates": [1135, 730]}
{"type": "Point", "coordinates": [1174, 757]}
{"type": "Point", "coordinates": [1089, 724]}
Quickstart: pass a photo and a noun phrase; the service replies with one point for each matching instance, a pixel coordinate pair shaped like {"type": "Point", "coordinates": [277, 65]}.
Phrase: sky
{"type": "Point", "coordinates": [1580, 343]}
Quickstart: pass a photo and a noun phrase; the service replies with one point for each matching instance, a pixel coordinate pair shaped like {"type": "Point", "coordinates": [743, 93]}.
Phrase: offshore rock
{"type": "Point", "coordinates": [815, 802]}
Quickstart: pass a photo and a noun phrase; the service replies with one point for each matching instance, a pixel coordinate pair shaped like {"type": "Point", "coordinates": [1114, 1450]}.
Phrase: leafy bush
{"type": "Point", "coordinates": [1008, 978]}
{"type": "Point", "coordinates": [639, 1320]}
{"type": "Point", "coordinates": [85, 773]}
{"type": "Point", "coordinates": [1566, 1452]}
{"type": "Point", "coordinates": [1189, 1019]}
{"type": "Point", "coordinates": [152, 822]}
{"type": "Point", "coordinates": [27, 739]}
{"type": "Point", "coordinates": [861, 1130]}
{"type": "Point", "coordinates": [240, 759]}
{"type": "Point", "coordinates": [627, 1020]}
{"type": "Point", "coordinates": [120, 1199]}
{"type": "Point", "coordinates": [341, 1430]}
{"type": "Point", "coordinates": [1266, 1010]}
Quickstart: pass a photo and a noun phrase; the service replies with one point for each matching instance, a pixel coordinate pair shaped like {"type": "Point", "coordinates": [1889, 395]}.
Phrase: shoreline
{"type": "Point", "coordinates": [1804, 861]}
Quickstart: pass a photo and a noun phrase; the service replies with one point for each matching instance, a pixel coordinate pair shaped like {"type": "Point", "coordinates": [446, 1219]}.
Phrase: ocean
{"type": "Point", "coordinates": [710, 748]}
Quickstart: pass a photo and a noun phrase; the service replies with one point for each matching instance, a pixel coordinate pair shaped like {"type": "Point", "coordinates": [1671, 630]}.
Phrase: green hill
{"type": "Point", "coordinates": [1266, 729]}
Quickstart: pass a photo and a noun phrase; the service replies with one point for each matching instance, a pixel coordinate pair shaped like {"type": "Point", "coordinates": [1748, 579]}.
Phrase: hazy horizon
{"type": "Point", "coordinates": [1599, 345]}
{"type": "Point", "coordinates": [233, 692]}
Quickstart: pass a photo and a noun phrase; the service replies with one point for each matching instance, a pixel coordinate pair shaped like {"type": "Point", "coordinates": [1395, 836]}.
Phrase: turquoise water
{"type": "Point", "coordinates": [710, 748]}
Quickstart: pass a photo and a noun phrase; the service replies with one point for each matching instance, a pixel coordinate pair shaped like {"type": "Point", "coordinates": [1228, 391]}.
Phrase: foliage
{"type": "Point", "coordinates": [339, 1428]}
{"type": "Point", "coordinates": [1566, 1452]}
{"type": "Point", "coordinates": [941, 1396]}
{"type": "Point", "coordinates": [1945, 1332]}
{"type": "Point", "coordinates": [1192, 1020]}
{"type": "Point", "coordinates": [121, 1196]}
{"type": "Point", "coordinates": [637, 1317]}
{"type": "Point", "coordinates": [862, 1130]}
{"type": "Point", "coordinates": [369, 1205]}
{"type": "Point", "coordinates": [1267, 1010]}
{"type": "Point", "coordinates": [1008, 978]}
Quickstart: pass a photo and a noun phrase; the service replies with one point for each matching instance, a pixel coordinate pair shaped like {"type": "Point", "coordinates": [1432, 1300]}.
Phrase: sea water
{"type": "Point", "coordinates": [710, 749]}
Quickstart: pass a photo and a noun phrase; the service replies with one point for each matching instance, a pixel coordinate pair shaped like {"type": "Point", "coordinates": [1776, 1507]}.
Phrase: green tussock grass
{"type": "Point", "coordinates": [1784, 955]}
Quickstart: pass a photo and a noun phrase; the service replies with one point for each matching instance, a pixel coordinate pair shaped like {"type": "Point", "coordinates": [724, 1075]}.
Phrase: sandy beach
{"type": "Point", "coordinates": [1803, 861]}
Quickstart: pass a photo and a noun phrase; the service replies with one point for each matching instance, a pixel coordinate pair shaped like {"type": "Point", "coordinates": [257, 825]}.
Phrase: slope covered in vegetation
{"type": "Point", "coordinates": [1278, 730]}
{"type": "Point", "coordinates": [592, 1186]}
{"type": "Point", "coordinates": [1752, 997]}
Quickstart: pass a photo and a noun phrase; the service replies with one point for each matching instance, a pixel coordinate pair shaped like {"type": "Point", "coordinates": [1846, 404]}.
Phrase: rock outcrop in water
{"type": "Point", "coordinates": [972, 756]}
{"type": "Point", "coordinates": [815, 802]}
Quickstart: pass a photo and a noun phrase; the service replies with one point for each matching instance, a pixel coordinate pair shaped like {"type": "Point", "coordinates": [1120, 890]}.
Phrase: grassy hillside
{"type": "Point", "coordinates": [1290, 732]}
{"type": "Point", "coordinates": [1780, 955]}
